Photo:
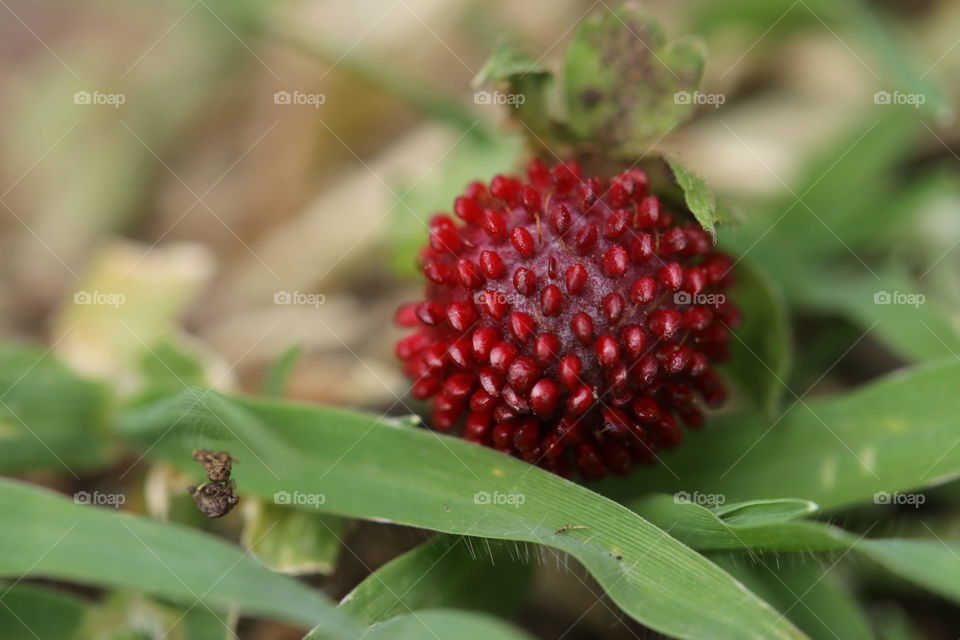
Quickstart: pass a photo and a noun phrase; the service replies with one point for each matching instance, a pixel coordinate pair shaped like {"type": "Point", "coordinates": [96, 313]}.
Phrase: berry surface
{"type": "Point", "coordinates": [571, 321]}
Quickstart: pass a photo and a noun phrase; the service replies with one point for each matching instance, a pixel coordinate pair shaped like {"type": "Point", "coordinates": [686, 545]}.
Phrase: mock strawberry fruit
{"type": "Point", "coordinates": [573, 322]}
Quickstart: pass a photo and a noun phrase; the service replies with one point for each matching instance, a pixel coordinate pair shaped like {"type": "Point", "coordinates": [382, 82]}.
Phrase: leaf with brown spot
{"type": "Point", "coordinates": [621, 81]}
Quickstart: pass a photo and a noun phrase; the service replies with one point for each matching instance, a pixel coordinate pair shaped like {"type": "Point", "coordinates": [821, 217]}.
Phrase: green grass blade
{"type": "Point", "coordinates": [934, 564]}
{"type": "Point", "coordinates": [275, 381]}
{"type": "Point", "coordinates": [931, 563]}
{"type": "Point", "coordinates": [45, 534]}
{"type": "Point", "coordinates": [37, 433]}
{"type": "Point", "coordinates": [895, 434]}
{"type": "Point", "coordinates": [705, 530]}
{"type": "Point", "coordinates": [29, 611]}
{"type": "Point", "coordinates": [365, 468]}
{"type": "Point", "coordinates": [446, 572]}
{"type": "Point", "coordinates": [809, 595]}
{"type": "Point", "coordinates": [444, 623]}
{"type": "Point", "coordinates": [762, 352]}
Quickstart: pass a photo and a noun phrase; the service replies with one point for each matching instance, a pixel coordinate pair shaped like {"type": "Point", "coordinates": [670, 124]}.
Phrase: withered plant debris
{"type": "Point", "coordinates": [218, 496]}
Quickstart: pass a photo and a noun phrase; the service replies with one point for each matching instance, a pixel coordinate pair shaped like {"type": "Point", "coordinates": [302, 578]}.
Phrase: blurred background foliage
{"type": "Point", "coordinates": [200, 198]}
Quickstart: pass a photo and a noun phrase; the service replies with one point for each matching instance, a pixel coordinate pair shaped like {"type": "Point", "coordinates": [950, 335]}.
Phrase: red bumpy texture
{"type": "Point", "coordinates": [569, 321]}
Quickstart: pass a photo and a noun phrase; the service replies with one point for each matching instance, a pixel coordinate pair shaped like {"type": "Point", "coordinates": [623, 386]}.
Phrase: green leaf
{"type": "Point", "coordinates": [762, 352]}
{"type": "Point", "coordinates": [705, 530]}
{"type": "Point", "coordinates": [811, 596]}
{"type": "Point", "coordinates": [443, 623]}
{"type": "Point", "coordinates": [841, 191]}
{"type": "Point", "coordinates": [165, 368]}
{"type": "Point", "coordinates": [622, 84]}
{"type": "Point", "coordinates": [123, 614]}
{"type": "Point", "coordinates": [275, 382]}
{"type": "Point", "coordinates": [895, 434]}
{"type": "Point", "coordinates": [915, 332]}
{"type": "Point", "coordinates": [760, 512]}
{"type": "Point", "coordinates": [30, 611]}
{"type": "Point", "coordinates": [933, 564]}
{"type": "Point", "coordinates": [50, 418]}
{"type": "Point", "coordinates": [506, 62]}
{"type": "Point", "coordinates": [364, 468]}
{"type": "Point", "coordinates": [446, 572]}
{"type": "Point", "coordinates": [698, 196]}
{"type": "Point", "coordinates": [292, 540]}
{"type": "Point", "coordinates": [532, 89]}
{"type": "Point", "coordinates": [46, 535]}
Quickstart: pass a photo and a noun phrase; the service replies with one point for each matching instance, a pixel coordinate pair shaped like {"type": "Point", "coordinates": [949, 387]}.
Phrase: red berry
{"type": "Point", "coordinates": [562, 320]}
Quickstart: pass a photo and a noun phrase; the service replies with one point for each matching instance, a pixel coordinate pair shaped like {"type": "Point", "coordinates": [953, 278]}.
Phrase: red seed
{"type": "Point", "coordinates": [521, 326]}
{"type": "Point", "coordinates": [617, 223]}
{"type": "Point", "coordinates": [646, 409]}
{"type": "Point", "coordinates": [665, 323]}
{"type": "Point", "coordinates": [484, 339]}
{"type": "Point", "coordinates": [531, 200]}
{"type": "Point", "coordinates": [585, 239]}
{"type": "Point", "coordinates": [634, 340]}
{"type": "Point", "coordinates": [430, 313]}
{"type": "Point", "coordinates": [523, 372]}
{"type": "Point", "coordinates": [494, 303]}
{"type": "Point", "coordinates": [582, 326]}
{"type": "Point", "coordinates": [545, 348]}
{"type": "Point", "coordinates": [579, 400]}
{"type": "Point", "coordinates": [544, 396]}
{"type": "Point", "coordinates": [461, 316]}
{"type": "Point", "coordinates": [522, 241]}
{"type": "Point", "coordinates": [492, 264]}
{"type": "Point", "coordinates": [643, 290]}
{"type": "Point", "coordinates": [673, 241]}
{"type": "Point", "coordinates": [615, 262]}
{"type": "Point", "coordinates": [670, 276]}
{"type": "Point", "coordinates": [524, 281]}
{"type": "Point", "coordinates": [576, 279]}
{"type": "Point", "coordinates": [501, 356]}
{"type": "Point", "coordinates": [560, 219]}
{"type": "Point", "coordinates": [648, 212]}
{"type": "Point", "coordinates": [550, 300]}
{"type": "Point", "coordinates": [436, 272]}
{"type": "Point", "coordinates": [612, 307]}
{"type": "Point", "coordinates": [608, 352]}
{"type": "Point", "coordinates": [468, 209]}
{"type": "Point", "coordinates": [495, 224]}
{"type": "Point", "coordinates": [641, 248]}
{"type": "Point", "coordinates": [468, 274]}
{"type": "Point", "coordinates": [569, 370]}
